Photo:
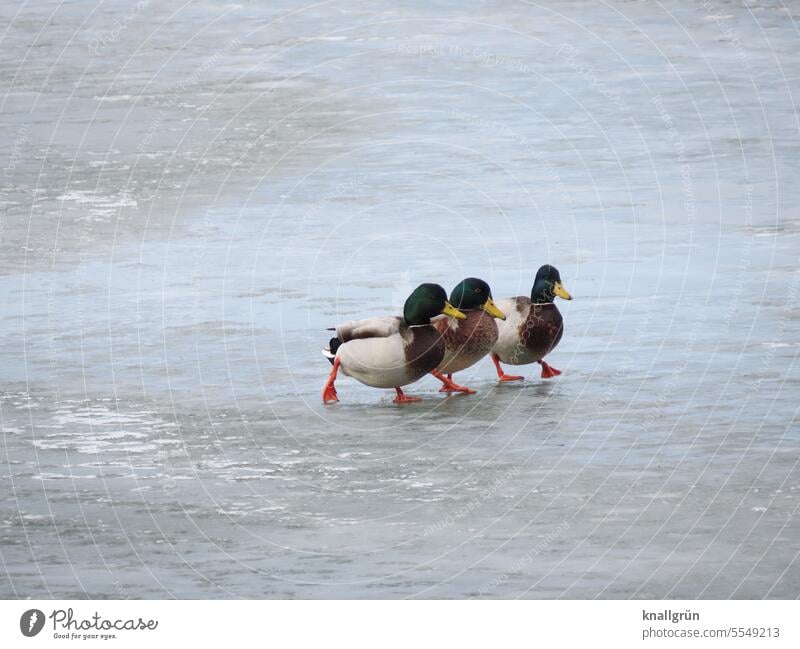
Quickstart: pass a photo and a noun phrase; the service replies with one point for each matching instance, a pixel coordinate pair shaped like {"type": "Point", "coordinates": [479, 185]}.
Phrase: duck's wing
{"type": "Point", "coordinates": [509, 331]}
{"type": "Point", "coordinates": [368, 328]}
{"type": "Point", "coordinates": [361, 330]}
{"type": "Point", "coordinates": [514, 307]}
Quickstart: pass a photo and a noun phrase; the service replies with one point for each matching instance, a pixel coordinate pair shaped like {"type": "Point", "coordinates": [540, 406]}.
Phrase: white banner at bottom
{"type": "Point", "coordinates": [389, 624]}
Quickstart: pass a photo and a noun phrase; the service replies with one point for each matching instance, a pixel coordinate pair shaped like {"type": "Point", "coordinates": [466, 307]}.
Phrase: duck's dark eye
{"type": "Point", "coordinates": [477, 290]}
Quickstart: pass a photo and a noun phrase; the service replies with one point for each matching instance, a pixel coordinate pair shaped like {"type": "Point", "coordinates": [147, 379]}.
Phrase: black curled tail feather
{"type": "Point", "coordinates": [329, 352]}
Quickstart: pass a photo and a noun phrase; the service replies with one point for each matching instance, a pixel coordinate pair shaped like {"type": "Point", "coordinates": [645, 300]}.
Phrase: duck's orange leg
{"type": "Point", "coordinates": [404, 398]}
{"type": "Point", "coordinates": [449, 386]}
{"type": "Point", "coordinates": [329, 391]}
{"type": "Point", "coordinates": [501, 374]}
{"type": "Point", "coordinates": [548, 371]}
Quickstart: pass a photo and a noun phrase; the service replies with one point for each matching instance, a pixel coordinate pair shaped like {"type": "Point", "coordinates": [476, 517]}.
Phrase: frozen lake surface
{"type": "Point", "coordinates": [192, 194]}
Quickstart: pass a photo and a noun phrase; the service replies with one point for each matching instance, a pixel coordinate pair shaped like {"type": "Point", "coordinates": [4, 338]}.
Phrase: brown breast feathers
{"type": "Point", "coordinates": [424, 349]}
{"type": "Point", "coordinates": [542, 329]}
{"type": "Point", "coordinates": [474, 336]}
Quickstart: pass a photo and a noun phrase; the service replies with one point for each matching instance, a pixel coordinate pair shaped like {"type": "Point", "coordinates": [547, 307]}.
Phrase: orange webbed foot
{"type": "Point", "coordinates": [329, 393]}
{"type": "Point", "coordinates": [456, 388]}
{"type": "Point", "coordinates": [449, 386]}
{"type": "Point", "coordinates": [548, 371]}
{"type": "Point", "coordinates": [404, 398]}
{"type": "Point", "coordinates": [501, 375]}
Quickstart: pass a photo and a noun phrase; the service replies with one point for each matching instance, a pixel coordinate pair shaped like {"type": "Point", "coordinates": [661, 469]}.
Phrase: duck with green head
{"type": "Point", "coordinates": [467, 340]}
{"type": "Point", "coordinates": [533, 326]}
{"type": "Point", "coordinates": [391, 352]}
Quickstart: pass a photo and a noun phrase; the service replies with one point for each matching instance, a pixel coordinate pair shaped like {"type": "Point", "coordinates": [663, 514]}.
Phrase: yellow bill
{"type": "Point", "coordinates": [561, 292]}
{"type": "Point", "coordinates": [491, 308]}
{"type": "Point", "coordinates": [450, 310]}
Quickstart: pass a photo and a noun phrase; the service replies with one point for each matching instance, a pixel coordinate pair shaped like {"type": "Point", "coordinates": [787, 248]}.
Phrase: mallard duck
{"type": "Point", "coordinates": [467, 341]}
{"type": "Point", "coordinates": [533, 327]}
{"type": "Point", "coordinates": [391, 352]}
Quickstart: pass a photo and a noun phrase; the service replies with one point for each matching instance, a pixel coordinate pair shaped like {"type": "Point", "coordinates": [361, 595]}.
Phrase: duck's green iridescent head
{"type": "Point", "coordinates": [547, 286]}
{"type": "Point", "coordinates": [473, 293]}
{"type": "Point", "coordinates": [426, 302]}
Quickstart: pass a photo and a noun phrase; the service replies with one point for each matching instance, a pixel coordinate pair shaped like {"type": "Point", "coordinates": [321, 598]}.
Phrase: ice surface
{"type": "Point", "coordinates": [190, 200]}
